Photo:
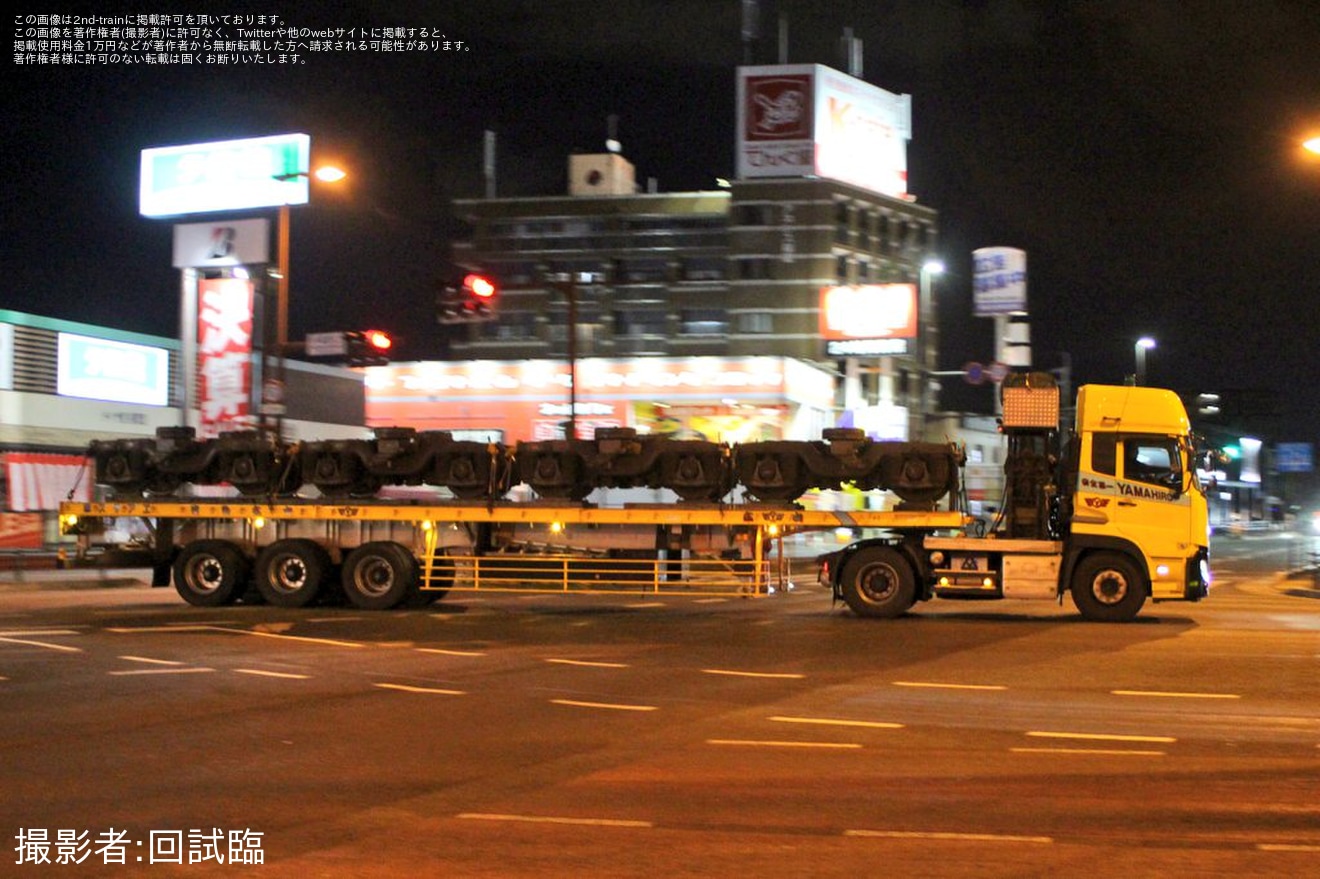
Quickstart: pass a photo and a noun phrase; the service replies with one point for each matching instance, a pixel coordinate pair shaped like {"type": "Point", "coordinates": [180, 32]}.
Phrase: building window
{"type": "Point", "coordinates": [841, 215]}
{"type": "Point", "coordinates": [754, 268]}
{"type": "Point", "coordinates": [705, 321]}
{"type": "Point", "coordinates": [711, 268]}
{"type": "Point", "coordinates": [638, 270]}
{"type": "Point", "coordinates": [641, 323]}
{"type": "Point", "coordinates": [509, 328]}
{"type": "Point", "coordinates": [751, 215]}
{"type": "Point", "coordinates": [756, 322]}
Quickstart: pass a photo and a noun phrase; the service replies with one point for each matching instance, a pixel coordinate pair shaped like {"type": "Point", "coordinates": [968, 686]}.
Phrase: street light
{"type": "Point", "coordinates": [1144, 344]}
{"type": "Point", "coordinates": [327, 174]}
{"type": "Point", "coordinates": [927, 335]}
{"type": "Point", "coordinates": [1313, 144]}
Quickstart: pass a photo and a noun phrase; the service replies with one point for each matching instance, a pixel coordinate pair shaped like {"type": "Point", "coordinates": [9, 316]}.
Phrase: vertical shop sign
{"type": "Point", "coordinates": [224, 353]}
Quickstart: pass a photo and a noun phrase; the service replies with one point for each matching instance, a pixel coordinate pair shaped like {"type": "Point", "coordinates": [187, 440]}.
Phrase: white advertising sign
{"type": "Point", "coordinates": [222, 244]}
{"type": "Point", "coordinates": [228, 175]}
{"type": "Point", "coordinates": [103, 369]}
{"type": "Point", "coordinates": [805, 120]}
{"type": "Point", "coordinates": [999, 281]}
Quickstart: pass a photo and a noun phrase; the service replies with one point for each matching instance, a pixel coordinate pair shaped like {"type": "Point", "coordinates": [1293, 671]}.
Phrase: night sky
{"type": "Point", "coordinates": [1145, 154]}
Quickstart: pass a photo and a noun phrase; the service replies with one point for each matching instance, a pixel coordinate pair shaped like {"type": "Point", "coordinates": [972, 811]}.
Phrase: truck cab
{"type": "Point", "coordinates": [1134, 488]}
{"type": "Point", "coordinates": [1112, 514]}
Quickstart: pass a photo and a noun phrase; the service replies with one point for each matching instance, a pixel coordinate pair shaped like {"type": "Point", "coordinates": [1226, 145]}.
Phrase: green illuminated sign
{"type": "Point", "coordinates": [227, 175]}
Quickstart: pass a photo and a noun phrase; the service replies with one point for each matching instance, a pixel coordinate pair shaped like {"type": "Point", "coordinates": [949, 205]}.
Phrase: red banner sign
{"type": "Point", "coordinates": [224, 353]}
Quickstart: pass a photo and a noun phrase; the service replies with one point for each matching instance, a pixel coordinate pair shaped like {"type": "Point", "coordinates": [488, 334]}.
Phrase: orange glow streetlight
{"type": "Point", "coordinates": [328, 174]}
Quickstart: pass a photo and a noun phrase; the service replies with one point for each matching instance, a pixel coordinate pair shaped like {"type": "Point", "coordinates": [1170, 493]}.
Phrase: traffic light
{"type": "Point", "coordinates": [368, 347]}
{"type": "Point", "coordinates": [471, 299]}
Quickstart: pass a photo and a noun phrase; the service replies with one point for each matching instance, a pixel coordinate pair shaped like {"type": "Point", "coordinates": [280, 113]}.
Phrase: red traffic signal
{"type": "Point", "coordinates": [368, 347]}
{"type": "Point", "coordinates": [480, 286]}
{"type": "Point", "coordinates": [472, 299]}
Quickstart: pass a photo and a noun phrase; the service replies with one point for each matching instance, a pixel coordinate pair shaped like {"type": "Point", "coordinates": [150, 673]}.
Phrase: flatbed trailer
{"type": "Point", "coordinates": [1112, 512]}
{"type": "Point", "coordinates": [391, 553]}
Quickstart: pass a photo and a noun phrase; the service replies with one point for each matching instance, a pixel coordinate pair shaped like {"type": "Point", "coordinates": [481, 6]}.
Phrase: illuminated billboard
{"type": "Point", "coordinates": [807, 120]}
{"type": "Point", "coordinates": [227, 175]}
{"type": "Point", "coordinates": [103, 369]}
{"type": "Point", "coordinates": [869, 320]}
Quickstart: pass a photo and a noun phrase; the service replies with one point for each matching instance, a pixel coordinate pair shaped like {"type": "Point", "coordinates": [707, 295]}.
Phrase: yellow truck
{"type": "Point", "coordinates": [1111, 513]}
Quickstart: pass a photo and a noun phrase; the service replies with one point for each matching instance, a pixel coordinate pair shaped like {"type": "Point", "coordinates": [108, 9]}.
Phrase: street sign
{"type": "Point", "coordinates": [1293, 458]}
{"type": "Point", "coordinates": [326, 345]}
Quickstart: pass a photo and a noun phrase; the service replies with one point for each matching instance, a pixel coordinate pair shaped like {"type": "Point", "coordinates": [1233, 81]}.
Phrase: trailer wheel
{"type": "Point", "coordinates": [290, 573]}
{"type": "Point", "coordinates": [1107, 587]}
{"type": "Point", "coordinates": [378, 576]}
{"type": "Point", "coordinates": [210, 573]}
{"type": "Point", "coordinates": [877, 581]}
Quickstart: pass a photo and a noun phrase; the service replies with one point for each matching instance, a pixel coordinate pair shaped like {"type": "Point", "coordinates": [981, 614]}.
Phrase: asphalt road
{"type": "Point", "coordinates": [510, 736]}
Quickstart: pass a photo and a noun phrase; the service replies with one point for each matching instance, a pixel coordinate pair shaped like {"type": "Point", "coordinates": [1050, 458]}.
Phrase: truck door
{"type": "Point", "coordinates": [1150, 505]}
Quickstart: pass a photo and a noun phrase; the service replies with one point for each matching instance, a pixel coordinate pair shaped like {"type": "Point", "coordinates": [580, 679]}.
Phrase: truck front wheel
{"type": "Point", "coordinates": [210, 573]}
{"type": "Point", "coordinates": [877, 581]}
{"type": "Point", "coordinates": [1107, 587]}
{"type": "Point", "coordinates": [379, 575]}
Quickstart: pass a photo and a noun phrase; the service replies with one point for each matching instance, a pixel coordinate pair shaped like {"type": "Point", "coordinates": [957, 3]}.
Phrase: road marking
{"type": "Point", "coordinates": [406, 688]}
{"type": "Point", "coordinates": [27, 642]}
{"type": "Point", "coordinates": [834, 721]}
{"type": "Point", "coordinates": [1286, 847]}
{"type": "Point", "coordinates": [31, 633]}
{"type": "Point", "coordinates": [174, 627]}
{"type": "Point", "coordinates": [1105, 752]}
{"type": "Point", "coordinates": [151, 661]}
{"type": "Point", "coordinates": [752, 674]}
{"type": "Point", "coordinates": [709, 600]}
{"type": "Point", "coordinates": [587, 663]}
{"type": "Point", "coordinates": [934, 685]}
{"type": "Point", "coordinates": [444, 652]}
{"type": "Point", "coordinates": [1098, 737]}
{"type": "Point", "coordinates": [137, 630]}
{"type": "Point", "coordinates": [754, 743]}
{"type": "Point", "coordinates": [271, 674]}
{"type": "Point", "coordinates": [554, 819]}
{"type": "Point", "coordinates": [646, 604]}
{"type": "Point", "coordinates": [160, 671]}
{"type": "Point", "coordinates": [610, 705]}
{"type": "Point", "coordinates": [1175, 695]}
{"type": "Point", "coordinates": [967, 837]}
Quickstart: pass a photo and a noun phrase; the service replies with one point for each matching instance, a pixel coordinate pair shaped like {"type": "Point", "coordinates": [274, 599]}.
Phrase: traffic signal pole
{"type": "Point", "coordinates": [571, 290]}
